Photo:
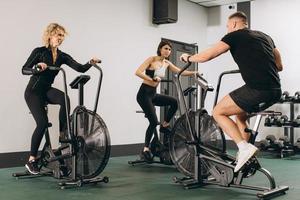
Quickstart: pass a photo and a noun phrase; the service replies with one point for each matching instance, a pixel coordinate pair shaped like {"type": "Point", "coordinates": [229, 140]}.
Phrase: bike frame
{"type": "Point", "coordinates": [206, 153]}
{"type": "Point", "coordinates": [71, 135]}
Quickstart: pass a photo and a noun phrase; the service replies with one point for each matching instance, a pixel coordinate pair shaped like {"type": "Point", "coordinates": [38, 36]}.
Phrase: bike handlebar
{"type": "Point", "coordinates": [54, 68]}
{"type": "Point", "coordinates": [236, 71]}
{"type": "Point", "coordinates": [198, 77]}
{"type": "Point", "coordinates": [203, 82]}
{"type": "Point", "coordinates": [166, 81]}
{"type": "Point", "coordinates": [230, 72]}
{"type": "Point", "coordinates": [187, 65]}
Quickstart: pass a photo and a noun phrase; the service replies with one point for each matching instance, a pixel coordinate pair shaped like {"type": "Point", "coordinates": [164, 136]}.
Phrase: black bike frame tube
{"type": "Point", "coordinates": [80, 96]}
{"type": "Point", "coordinates": [184, 68]}
{"type": "Point", "coordinates": [181, 95]}
{"type": "Point", "coordinates": [71, 135]}
{"type": "Point", "coordinates": [66, 96]}
{"type": "Point", "coordinates": [204, 87]}
{"type": "Point", "coordinates": [250, 187]}
{"type": "Point", "coordinates": [215, 153]}
{"type": "Point", "coordinates": [99, 87]}
{"type": "Point", "coordinates": [181, 99]}
{"type": "Point", "coordinates": [269, 176]}
{"type": "Point", "coordinates": [219, 83]}
{"type": "Point", "coordinates": [221, 162]}
{"type": "Point", "coordinates": [193, 134]}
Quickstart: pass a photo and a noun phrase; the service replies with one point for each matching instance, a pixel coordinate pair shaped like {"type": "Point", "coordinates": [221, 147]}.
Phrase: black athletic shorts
{"type": "Point", "coordinates": [249, 99]}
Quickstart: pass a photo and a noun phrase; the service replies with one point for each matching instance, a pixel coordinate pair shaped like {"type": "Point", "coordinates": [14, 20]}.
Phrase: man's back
{"type": "Point", "coordinates": [253, 52]}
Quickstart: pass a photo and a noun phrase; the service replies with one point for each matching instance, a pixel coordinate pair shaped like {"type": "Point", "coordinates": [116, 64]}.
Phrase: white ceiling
{"type": "Point", "coordinates": [210, 3]}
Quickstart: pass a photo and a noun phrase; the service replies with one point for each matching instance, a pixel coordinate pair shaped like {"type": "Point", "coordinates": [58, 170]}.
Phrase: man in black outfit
{"type": "Point", "coordinates": [259, 62]}
{"type": "Point", "coordinates": [39, 90]}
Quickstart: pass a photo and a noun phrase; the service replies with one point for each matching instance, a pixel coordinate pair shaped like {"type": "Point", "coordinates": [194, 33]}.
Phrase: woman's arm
{"type": "Point", "coordinates": [175, 69]}
{"type": "Point", "coordinates": [68, 60]}
{"type": "Point", "coordinates": [33, 59]}
{"type": "Point", "coordinates": [142, 68]}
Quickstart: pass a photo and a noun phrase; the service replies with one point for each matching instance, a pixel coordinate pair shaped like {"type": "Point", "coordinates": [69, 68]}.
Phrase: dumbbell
{"type": "Point", "coordinates": [267, 143]}
{"type": "Point", "coordinates": [281, 121]}
{"type": "Point", "coordinates": [297, 122]}
{"type": "Point", "coordinates": [285, 97]}
{"type": "Point", "coordinates": [264, 145]}
{"type": "Point", "coordinates": [296, 97]}
{"type": "Point", "coordinates": [271, 139]}
{"type": "Point", "coordinates": [297, 144]}
{"type": "Point", "coordinates": [283, 141]}
{"type": "Point", "coordinates": [270, 120]}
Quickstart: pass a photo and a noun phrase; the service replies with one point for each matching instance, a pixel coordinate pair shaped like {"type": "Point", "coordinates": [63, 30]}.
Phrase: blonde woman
{"type": "Point", "coordinates": [152, 71]}
{"type": "Point", "coordinates": [39, 90]}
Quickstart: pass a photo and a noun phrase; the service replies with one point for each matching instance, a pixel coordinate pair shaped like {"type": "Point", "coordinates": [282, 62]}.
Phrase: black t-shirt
{"type": "Point", "coordinates": [253, 53]}
{"type": "Point", "coordinates": [45, 79]}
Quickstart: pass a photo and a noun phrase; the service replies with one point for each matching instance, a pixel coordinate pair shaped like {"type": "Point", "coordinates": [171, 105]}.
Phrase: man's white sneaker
{"type": "Point", "coordinates": [244, 155]}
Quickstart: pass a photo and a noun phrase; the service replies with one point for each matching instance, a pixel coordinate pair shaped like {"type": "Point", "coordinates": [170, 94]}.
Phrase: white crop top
{"type": "Point", "coordinates": [160, 72]}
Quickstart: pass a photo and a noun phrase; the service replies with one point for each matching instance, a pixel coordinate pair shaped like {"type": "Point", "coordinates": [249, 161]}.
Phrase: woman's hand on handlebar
{"type": "Point", "coordinates": [195, 73]}
{"type": "Point", "coordinates": [41, 66]}
{"type": "Point", "coordinates": [156, 79]}
{"type": "Point", "coordinates": [198, 74]}
{"type": "Point", "coordinates": [184, 57]}
{"type": "Point", "coordinates": [94, 61]}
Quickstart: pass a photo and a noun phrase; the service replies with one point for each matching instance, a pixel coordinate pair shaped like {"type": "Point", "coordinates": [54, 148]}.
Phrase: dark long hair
{"type": "Point", "coordinates": [161, 44]}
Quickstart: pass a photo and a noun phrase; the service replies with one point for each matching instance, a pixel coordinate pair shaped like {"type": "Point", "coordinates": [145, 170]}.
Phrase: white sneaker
{"type": "Point", "coordinates": [244, 155]}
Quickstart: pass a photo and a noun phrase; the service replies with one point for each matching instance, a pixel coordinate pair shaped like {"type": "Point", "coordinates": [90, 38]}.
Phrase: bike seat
{"type": "Point", "coordinates": [263, 106]}
{"type": "Point", "coordinates": [46, 103]}
{"type": "Point", "coordinates": [140, 111]}
{"type": "Point", "coordinates": [260, 109]}
{"type": "Point", "coordinates": [189, 90]}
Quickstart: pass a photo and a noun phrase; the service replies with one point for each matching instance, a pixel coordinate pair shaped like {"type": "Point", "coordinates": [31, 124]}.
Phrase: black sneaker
{"type": "Point", "coordinates": [32, 167]}
{"type": "Point", "coordinates": [147, 156]}
{"type": "Point", "coordinates": [166, 130]}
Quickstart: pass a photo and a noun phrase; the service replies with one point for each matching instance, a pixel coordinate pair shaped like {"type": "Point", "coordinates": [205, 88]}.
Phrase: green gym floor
{"type": "Point", "coordinates": [143, 182]}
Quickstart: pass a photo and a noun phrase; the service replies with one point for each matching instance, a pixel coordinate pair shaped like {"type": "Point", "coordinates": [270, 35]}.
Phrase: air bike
{"type": "Point", "coordinates": [85, 149]}
{"type": "Point", "coordinates": [198, 146]}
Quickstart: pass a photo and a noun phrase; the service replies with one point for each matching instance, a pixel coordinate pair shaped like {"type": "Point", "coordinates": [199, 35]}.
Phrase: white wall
{"type": "Point", "coordinates": [122, 35]}
{"type": "Point", "coordinates": [119, 32]}
{"type": "Point", "coordinates": [216, 29]}
{"type": "Point", "coordinates": [280, 19]}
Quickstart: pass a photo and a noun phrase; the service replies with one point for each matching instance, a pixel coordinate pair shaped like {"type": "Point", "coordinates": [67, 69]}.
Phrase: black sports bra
{"type": "Point", "coordinates": [150, 73]}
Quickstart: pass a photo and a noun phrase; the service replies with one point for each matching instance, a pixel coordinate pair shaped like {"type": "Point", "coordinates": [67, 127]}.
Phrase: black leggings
{"type": "Point", "coordinates": [147, 99]}
{"type": "Point", "coordinates": [36, 102]}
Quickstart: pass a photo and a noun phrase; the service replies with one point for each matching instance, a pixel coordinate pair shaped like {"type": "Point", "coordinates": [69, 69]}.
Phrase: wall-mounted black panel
{"type": "Point", "coordinates": [165, 11]}
{"type": "Point", "coordinates": [246, 8]}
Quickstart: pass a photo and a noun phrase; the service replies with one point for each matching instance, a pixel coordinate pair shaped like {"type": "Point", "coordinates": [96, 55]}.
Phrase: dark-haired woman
{"type": "Point", "coordinates": [152, 71]}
